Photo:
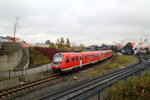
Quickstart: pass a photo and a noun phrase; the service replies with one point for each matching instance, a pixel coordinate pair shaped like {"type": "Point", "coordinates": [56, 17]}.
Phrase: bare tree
{"type": "Point", "coordinates": [15, 27]}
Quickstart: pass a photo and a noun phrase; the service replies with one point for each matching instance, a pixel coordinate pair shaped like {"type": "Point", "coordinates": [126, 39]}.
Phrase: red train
{"type": "Point", "coordinates": [71, 60]}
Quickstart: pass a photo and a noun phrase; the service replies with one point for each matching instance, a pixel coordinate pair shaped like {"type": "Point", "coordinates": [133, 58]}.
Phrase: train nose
{"type": "Point", "coordinates": [56, 70]}
{"type": "Point", "coordinates": [56, 66]}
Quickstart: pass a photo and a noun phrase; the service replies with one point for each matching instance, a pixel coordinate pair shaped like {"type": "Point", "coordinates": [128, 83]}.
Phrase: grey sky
{"type": "Point", "coordinates": [82, 21]}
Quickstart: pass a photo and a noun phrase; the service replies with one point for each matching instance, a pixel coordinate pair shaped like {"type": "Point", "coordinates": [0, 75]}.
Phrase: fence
{"type": "Point", "coordinates": [13, 73]}
{"type": "Point", "coordinates": [102, 94]}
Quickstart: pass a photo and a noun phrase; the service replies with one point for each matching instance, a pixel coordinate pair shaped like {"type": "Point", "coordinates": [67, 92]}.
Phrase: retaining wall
{"type": "Point", "coordinates": [12, 56]}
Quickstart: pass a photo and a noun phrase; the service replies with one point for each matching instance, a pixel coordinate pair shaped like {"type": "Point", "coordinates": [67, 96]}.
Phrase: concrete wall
{"type": "Point", "coordinates": [12, 56]}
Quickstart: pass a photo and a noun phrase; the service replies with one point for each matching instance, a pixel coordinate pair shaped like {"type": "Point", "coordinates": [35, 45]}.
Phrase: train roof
{"type": "Point", "coordinates": [74, 53]}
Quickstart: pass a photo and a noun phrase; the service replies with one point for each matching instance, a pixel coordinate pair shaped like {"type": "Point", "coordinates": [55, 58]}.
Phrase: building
{"type": "Point", "coordinates": [11, 39]}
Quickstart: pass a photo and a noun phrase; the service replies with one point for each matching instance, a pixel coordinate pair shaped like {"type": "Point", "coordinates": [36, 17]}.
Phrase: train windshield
{"type": "Point", "coordinates": [58, 59]}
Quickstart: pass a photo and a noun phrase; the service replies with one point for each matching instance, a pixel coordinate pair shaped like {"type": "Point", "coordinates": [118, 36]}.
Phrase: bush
{"type": "Point", "coordinates": [135, 89]}
{"type": "Point", "coordinates": [37, 59]}
{"type": "Point", "coordinates": [48, 52]}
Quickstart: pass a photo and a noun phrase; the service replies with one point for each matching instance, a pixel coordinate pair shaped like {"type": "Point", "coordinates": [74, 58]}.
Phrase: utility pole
{"type": "Point", "coordinates": [15, 27]}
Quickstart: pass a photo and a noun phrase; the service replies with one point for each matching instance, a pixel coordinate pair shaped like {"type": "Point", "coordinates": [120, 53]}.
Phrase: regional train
{"type": "Point", "coordinates": [68, 61]}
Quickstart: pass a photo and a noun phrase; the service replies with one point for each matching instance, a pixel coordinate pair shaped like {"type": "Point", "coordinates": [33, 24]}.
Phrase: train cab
{"type": "Point", "coordinates": [57, 62]}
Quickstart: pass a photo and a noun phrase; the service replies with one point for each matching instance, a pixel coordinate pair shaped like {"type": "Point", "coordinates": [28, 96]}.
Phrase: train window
{"type": "Point", "coordinates": [77, 59]}
{"type": "Point", "coordinates": [67, 60]}
{"type": "Point", "coordinates": [85, 57]}
{"type": "Point", "coordinates": [72, 59]}
{"type": "Point", "coordinates": [58, 59]}
{"type": "Point", "coordinates": [80, 58]}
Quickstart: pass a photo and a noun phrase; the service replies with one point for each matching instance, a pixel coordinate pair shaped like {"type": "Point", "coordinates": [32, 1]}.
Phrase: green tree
{"type": "Point", "coordinates": [62, 46]}
{"type": "Point", "coordinates": [81, 47]}
{"type": "Point", "coordinates": [52, 45]}
{"type": "Point", "coordinates": [57, 44]}
{"type": "Point", "coordinates": [68, 43]}
{"type": "Point", "coordinates": [62, 41]}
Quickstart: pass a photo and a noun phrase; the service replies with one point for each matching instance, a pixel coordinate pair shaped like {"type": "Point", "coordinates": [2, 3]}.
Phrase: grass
{"type": "Point", "coordinates": [37, 58]}
{"type": "Point", "coordinates": [119, 61]}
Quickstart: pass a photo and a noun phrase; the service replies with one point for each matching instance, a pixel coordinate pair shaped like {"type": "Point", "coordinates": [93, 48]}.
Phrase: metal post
{"type": "Point", "coordinates": [14, 73]}
{"type": "Point", "coordinates": [131, 75]}
{"type": "Point", "coordinates": [41, 69]}
{"type": "Point", "coordinates": [47, 67]}
{"type": "Point", "coordinates": [26, 71]}
{"type": "Point", "coordinates": [99, 94]}
{"type": "Point", "coordinates": [22, 71]}
{"type": "Point", "coordinates": [9, 73]}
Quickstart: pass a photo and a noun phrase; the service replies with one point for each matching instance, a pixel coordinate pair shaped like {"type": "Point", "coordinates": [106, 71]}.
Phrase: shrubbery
{"type": "Point", "coordinates": [135, 89]}
{"type": "Point", "coordinates": [37, 59]}
{"type": "Point", "coordinates": [48, 52]}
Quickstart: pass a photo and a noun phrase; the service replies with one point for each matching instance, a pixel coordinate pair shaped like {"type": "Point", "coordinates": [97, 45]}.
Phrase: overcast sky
{"type": "Point", "coordinates": [82, 21]}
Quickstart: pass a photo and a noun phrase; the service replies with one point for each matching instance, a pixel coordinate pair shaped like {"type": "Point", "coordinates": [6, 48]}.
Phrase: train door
{"type": "Point", "coordinates": [80, 61]}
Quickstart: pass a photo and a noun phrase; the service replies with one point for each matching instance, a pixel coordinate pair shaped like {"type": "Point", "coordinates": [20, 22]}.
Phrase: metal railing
{"type": "Point", "coordinates": [24, 60]}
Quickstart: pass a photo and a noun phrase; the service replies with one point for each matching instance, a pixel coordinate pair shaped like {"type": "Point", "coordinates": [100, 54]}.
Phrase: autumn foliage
{"type": "Point", "coordinates": [49, 52]}
{"type": "Point", "coordinates": [135, 89]}
{"type": "Point", "coordinates": [37, 58]}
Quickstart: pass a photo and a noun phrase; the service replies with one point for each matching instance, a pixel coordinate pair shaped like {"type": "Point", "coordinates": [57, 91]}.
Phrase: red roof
{"type": "Point", "coordinates": [13, 38]}
{"type": "Point", "coordinates": [119, 45]}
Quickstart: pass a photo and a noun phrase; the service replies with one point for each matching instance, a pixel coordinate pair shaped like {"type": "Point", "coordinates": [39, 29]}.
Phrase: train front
{"type": "Point", "coordinates": [57, 62]}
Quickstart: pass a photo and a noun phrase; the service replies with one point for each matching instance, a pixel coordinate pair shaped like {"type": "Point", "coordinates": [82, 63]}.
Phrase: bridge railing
{"type": "Point", "coordinates": [24, 60]}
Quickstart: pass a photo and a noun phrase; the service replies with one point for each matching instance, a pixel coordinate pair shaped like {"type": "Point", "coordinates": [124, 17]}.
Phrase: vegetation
{"type": "Point", "coordinates": [135, 89]}
{"type": "Point", "coordinates": [37, 59]}
{"type": "Point", "coordinates": [2, 78]}
{"type": "Point", "coordinates": [81, 47]}
{"type": "Point", "coordinates": [119, 61]}
{"type": "Point", "coordinates": [48, 52]}
{"type": "Point", "coordinates": [61, 44]}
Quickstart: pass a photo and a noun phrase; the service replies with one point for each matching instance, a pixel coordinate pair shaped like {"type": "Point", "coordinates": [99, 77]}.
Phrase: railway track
{"type": "Point", "coordinates": [24, 88]}
{"type": "Point", "coordinates": [80, 92]}
{"type": "Point", "coordinates": [16, 90]}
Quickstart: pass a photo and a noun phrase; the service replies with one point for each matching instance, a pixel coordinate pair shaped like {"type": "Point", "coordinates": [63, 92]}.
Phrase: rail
{"type": "Point", "coordinates": [83, 90]}
{"type": "Point", "coordinates": [17, 90]}
{"type": "Point", "coordinates": [24, 60]}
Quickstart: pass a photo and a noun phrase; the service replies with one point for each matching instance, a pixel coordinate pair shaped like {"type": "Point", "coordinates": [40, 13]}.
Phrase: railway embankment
{"type": "Point", "coordinates": [96, 70]}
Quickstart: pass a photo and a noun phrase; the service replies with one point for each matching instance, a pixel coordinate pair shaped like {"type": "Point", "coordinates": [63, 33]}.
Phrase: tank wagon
{"type": "Point", "coordinates": [68, 61]}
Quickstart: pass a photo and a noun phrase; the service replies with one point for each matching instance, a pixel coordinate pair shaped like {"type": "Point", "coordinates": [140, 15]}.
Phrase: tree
{"type": "Point", "coordinates": [15, 27]}
{"type": "Point", "coordinates": [114, 48]}
{"type": "Point", "coordinates": [81, 47]}
{"type": "Point", "coordinates": [62, 41]}
{"type": "Point", "coordinates": [47, 42]}
{"type": "Point", "coordinates": [57, 44]}
{"type": "Point", "coordinates": [68, 43]}
{"type": "Point", "coordinates": [52, 45]}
